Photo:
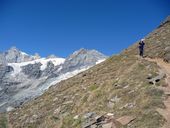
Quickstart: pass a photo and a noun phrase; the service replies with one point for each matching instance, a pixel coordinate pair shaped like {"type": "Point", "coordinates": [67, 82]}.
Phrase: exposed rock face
{"type": "Point", "coordinates": [4, 70]}
{"type": "Point", "coordinates": [2, 59]}
{"type": "Point", "coordinates": [91, 120]}
{"type": "Point", "coordinates": [13, 55]}
{"type": "Point", "coordinates": [32, 70]}
{"type": "Point", "coordinates": [81, 58]}
{"type": "Point", "coordinates": [50, 70]}
{"type": "Point", "coordinates": [23, 77]}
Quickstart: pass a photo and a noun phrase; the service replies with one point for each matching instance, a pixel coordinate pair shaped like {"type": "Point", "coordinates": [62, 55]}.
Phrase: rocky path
{"type": "Point", "coordinates": [165, 68]}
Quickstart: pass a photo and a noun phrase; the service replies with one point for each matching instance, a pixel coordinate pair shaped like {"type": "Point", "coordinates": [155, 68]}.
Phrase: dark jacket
{"type": "Point", "coordinates": [141, 45]}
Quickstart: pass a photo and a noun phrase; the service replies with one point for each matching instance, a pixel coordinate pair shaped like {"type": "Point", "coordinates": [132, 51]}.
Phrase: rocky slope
{"type": "Point", "coordinates": [23, 77]}
{"type": "Point", "coordinates": [122, 92]}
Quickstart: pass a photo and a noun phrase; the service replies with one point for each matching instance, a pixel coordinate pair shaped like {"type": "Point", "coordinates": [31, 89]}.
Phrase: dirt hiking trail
{"type": "Point", "coordinates": [165, 68]}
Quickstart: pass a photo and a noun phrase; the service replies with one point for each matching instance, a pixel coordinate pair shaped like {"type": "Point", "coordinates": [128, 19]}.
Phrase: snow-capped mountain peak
{"type": "Point", "coordinates": [28, 76]}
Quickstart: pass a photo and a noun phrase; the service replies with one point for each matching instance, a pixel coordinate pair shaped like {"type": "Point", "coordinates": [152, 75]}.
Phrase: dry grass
{"type": "Point", "coordinates": [122, 76]}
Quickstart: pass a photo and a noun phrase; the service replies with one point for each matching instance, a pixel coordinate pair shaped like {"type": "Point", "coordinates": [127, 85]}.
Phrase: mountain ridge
{"type": "Point", "coordinates": [120, 87]}
{"type": "Point", "coordinates": [121, 92]}
{"type": "Point", "coordinates": [24, 77]}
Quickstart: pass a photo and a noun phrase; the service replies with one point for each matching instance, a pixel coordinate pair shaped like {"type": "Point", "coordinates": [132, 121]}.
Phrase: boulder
{"type": "Point", "coordinates": [32, 70]}
{"type": "Point", "coordinates": [103, 121]}
{"type": "Point", "coordinates": [124, 120]}
{"type": "Point", "coordinates": [157, 78]}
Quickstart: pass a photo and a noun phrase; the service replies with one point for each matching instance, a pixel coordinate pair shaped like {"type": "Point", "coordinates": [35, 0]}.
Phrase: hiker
{"type": "Point", "coordinates": [141, 47]}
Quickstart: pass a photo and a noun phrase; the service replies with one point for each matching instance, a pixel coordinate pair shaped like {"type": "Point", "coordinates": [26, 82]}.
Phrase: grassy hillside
{"type": "Point", "coordinates": [121, 76]}
{"type": "Point", "coordinates": [119, 85]}
{"type": "Point", "coordinates": [157, 43]}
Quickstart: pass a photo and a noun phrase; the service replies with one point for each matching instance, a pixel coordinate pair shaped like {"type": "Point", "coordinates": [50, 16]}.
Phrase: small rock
{"type": "Point", "coordinates": [132, 91]}
{"type": "Point", "coordinates": [68, 102]}
{"type": "Point", "coordinates": [157, 78]}
{"type": "Point", "coordinates": [149, 76]}
{"type": "Point", "coordinates": [126, 86]}
{"type": "Point", "coordinates": [76, 117]}
{"type": "Point", "coordinates": [110, 104]}
{"type": "Point", "coordinates": [167, 57]}
{"type": "Point", "coordinates": [35, 116]}
{"type": "Point", "coordinates": [108, 125]}
{"type": "Point", "coordinates": [9, 109]}
{"type": "Point", "coordinates": [115, 99]}
{"type": "Point", "coordinates": [57, 111]}
{"type": "Point", "coordinates": [167, 93]}
{"type": "Point", "coordinates": [128, 105]}
{"type": "Point", "coordinates": [93, 126]}
{"type": "Point", "coordinates": [89, 115]}
{"type": "Point", "coordinates": [110, 114]}
{"type": "Point", "coordinates": [84, 88]}
{"type": "Point", "coordinates": [167, 49]}
{"type": "Point", "coordinates": [55, 99]}
{"type": "Point", "coordinates": [124, 120]}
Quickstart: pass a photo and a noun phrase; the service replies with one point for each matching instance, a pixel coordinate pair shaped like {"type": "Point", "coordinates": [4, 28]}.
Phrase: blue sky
{"type": "Point", "coordinates": [62, 26]}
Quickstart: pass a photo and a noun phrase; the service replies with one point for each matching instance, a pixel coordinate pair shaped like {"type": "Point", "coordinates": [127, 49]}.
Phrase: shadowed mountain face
{"type": "Point", "coordinates": [120, 92]}
{"type": "Point", "coordinates": [23, 76]}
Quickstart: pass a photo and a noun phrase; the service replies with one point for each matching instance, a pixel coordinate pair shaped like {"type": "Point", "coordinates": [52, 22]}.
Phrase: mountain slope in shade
{"type": "Point", "coordinates": [125, 91]}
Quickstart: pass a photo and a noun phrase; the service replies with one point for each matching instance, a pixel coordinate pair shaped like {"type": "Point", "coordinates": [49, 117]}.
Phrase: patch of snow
{"type": "Point", "coordinates": [9, 108]}
{"type": "Point", "coordinates": [55, 61]}
{"type": "Point", "coordinates": [16, 67]}
{"type": "Point", "coordinates": [37, 88]}
{"type": "Point", "coordinates": [3, 104]}
{"type": "Point", "coordinates": [66, 76]}
{"type": "Point", "coordinates": [23, 53]}
{"type": "Point", "coordinates": [99, 61]}
{"type": "Point", "coordinates": [59, 69]}
{"type": "Point", "coordinates": [43, 61]}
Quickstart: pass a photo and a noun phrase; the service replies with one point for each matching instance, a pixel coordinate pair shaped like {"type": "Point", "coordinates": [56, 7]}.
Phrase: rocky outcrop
{"type": "Point", "coordinates": [23, 76]}
{"type": "Point", "coordinates": [13, 55]}
{"type": "Point", "coordinates": [51, 70]}
{"type": "Point", "coordinates": [92, 120]}
{"type": "Point", "coordinates": [32, 70]}
{"type": "Point", "coordinates": [4, 70]}
{"type": "Point", "coordinates": [2, 59]}
{"type": "Point", "coordinates": [82, 58]}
